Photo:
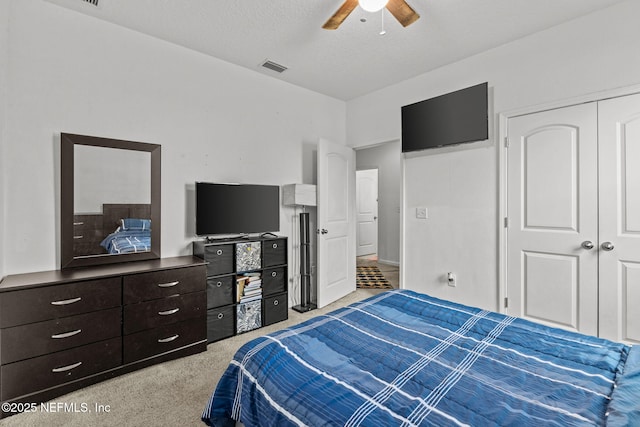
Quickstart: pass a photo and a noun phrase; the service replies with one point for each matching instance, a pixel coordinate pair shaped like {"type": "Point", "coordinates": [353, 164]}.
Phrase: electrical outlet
{"type": "Point", "coordinates": [451, 279]}
{"type": "Point", "coordinates": [422, 213]}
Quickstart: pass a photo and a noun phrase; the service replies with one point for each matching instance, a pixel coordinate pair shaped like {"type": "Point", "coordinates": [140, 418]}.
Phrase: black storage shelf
{"type": "Point", "coordinates": [222, 271]}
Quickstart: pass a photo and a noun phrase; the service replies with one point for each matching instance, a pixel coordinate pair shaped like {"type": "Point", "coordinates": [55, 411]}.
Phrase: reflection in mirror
{"type": "Point", "coordinates": [112, 188]}
{"type": "Point", "coordinates": [110, 200]}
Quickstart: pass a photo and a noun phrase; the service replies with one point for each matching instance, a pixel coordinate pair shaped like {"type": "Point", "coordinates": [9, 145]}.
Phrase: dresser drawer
{"type": "Point", "coordinates": [274, 252]}
{"type": "Point", "coordinates": [87, 228]}
{"type": "Point", "coordinates": [220, 291]}
{"type": "Point", "coordinates": [220, 259]}
{"type": "Point", "coordinates": [221, 323]}
{"type": "Point", "coordinates": [151, 314]}
{"type": "Point", "coordinates": [160, 284]}
{"type": "Point", "coordinates": [274, 280]}
{"type": "Point", "coordinates": [51, 302]}
{"type": "Point", "coordinates": [58, 368]}
{"type": "Point", "coordinates": [36, 339]}
{"type": "Point", "coordinates": [275, 309]}
{"type": "Point", "coordinates": [165, 338]}
{"type": "Point", "coordinates": [84, 223]}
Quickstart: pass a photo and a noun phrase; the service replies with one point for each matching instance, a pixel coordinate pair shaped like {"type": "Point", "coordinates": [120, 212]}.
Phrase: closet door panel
{"type": "Point", "coordinates": [552, 209]}
{"type": "Point", "coordinates": [619, 210]}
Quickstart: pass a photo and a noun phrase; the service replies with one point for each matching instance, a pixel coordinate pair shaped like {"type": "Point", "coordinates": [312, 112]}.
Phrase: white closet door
{"type": "Point", "coordinates": [552, 275]}
{"type": "Point", "coordinates": [619, 154]}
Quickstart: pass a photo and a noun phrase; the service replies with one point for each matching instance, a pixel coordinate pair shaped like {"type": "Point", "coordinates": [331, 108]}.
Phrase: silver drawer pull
{"type": "Point", "coordinates": [220, 315]}
{"type": "Point", "coordinates": [169, 339]}
{"type": "Point", "coordinates": [66, 334]}
{"type": "Point", "coordinates": [78, 223]}
{"type": "Point", "coordinates": [275, 246]}
{"type": "Point", "coordinates": [66, 368]}
{"type": "Point", "coordinates": [66, 301]}
{"type": "Point", "coordinates": [168, 285]}
{"type": "Point", "coordinates": [276, 302]}
{"type": "Point", "coordinates": [218, 284]}
{"type": "Point", "coordinates": [168, 312]}
{"type": "Point", "coordinates": [274, 274]}
{"type": "Point", "coordinates": [78, 237]}
{"type": "Point", "coordinates": [219, 252]}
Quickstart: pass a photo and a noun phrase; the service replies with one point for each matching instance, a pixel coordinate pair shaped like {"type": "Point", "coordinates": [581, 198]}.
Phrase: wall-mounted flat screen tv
{"type": "Point", "coordinates": [236, 208]}
{"type": "Point", "coordinates": [453, 118]}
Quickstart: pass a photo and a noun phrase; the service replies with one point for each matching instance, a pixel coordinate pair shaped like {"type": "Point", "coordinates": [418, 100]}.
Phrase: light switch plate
{"type": "Point", "coordinates": [422, 213]}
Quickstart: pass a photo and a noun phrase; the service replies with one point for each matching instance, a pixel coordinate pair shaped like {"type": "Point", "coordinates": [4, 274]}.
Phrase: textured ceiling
{"type": "Point", "coordinates": [350, 61]}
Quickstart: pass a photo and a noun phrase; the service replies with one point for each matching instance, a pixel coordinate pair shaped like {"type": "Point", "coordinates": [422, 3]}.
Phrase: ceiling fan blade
{"type": "Point", "coordinates": [340, 15]}
{"type": "Point", "coordinates": [402, 12]}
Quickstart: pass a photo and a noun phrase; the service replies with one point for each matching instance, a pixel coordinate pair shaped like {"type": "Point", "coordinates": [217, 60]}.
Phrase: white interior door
{"type": "Point", "coordinates": [619, 157]}
{"type": "Point", "coordinates": [367, 212]}
{"type": "Point", "coordinates": [336, 222]}
{"type": "Point", "coordinates": [552, 205]}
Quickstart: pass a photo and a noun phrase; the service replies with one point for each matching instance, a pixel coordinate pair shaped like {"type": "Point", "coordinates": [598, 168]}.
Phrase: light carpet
{"type": "Point", "coordinates": [172, 393]}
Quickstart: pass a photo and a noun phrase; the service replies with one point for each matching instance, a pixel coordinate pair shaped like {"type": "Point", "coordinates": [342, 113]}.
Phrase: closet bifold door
{"type": "Point", "coordinates": [552, 209]}
{"type": "Point", "coordinates": [619, 198]}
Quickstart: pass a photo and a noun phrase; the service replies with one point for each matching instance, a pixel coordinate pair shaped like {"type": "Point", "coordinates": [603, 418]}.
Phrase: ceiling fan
{"type": "Point", "coordinates": [398, 8]}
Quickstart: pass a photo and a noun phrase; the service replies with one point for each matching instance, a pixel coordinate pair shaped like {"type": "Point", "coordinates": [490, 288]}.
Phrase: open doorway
{"type": "Point", "coordinates": [378, 189]}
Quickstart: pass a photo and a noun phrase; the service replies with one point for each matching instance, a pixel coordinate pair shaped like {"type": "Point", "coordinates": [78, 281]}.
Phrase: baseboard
{"type": "Point", "coordinates": [387, 262]}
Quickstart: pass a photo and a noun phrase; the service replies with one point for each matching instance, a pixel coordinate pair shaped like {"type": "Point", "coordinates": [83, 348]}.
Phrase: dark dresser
{"type": "Point", "coordinates": [65, 329]}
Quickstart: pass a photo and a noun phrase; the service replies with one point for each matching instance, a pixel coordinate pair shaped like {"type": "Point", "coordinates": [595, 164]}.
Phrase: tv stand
{"type": "Point", "coordinates": [231, 263]}
{"type": "Point", "coordinates": [210, 239]}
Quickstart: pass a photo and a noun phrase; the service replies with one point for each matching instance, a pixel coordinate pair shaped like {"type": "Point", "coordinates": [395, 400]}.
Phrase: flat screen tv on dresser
{"type": "Point", "coordinates": [236, 208]}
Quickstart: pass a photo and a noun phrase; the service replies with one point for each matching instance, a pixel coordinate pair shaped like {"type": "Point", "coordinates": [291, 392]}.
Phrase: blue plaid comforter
{"type": "Point", "coordinates": [129, 241]}
{"type": "Point", "coordinates": [404, 358]}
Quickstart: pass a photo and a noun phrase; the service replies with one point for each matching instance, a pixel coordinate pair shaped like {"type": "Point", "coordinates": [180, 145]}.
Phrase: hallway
{"type": "Point", "coordinates": [390, 272]}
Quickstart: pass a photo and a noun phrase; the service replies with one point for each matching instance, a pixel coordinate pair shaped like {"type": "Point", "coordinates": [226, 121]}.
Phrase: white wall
{"type": "Point", "coordinates": [104, 175]}
{"type": "Point", "coordinates": [386, 158]}
{"type": "Point", "coordinates": [4, 52]}
{"type": "Point", "coordinates": [215, 122]}
{"type": "Point", "coordinates": [459, 186]}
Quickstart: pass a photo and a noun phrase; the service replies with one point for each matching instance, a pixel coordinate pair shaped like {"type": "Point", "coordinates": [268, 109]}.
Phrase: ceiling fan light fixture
{"type": "Point", "coordinates": [372, 5]}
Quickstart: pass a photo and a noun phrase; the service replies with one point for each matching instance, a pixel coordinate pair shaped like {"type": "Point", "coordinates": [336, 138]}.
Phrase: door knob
{"type": "Point", "coordinates": [607, 246]}
{"type": "Point", "coordinates": [587, 244]}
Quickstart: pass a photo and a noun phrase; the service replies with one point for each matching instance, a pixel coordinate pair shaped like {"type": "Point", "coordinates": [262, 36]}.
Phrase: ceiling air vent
{"type": "Point", "coordinates": [273, 66]}
{"type": "Point", "coordinates": [93, 2]}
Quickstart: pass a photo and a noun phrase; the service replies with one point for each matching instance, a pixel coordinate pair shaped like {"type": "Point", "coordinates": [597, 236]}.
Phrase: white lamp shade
{"type": "Point", "coordinates": [299, 195]}
{"type": "Point", "coordinates": [372, 5]}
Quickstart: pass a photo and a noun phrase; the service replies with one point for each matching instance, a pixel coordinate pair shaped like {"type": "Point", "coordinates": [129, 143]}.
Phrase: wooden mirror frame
{"type": "Point", "coordinates": [67, 144]}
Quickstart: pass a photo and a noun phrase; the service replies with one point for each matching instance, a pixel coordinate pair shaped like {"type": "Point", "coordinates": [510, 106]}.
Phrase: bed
{"type": "Point", "coordinates": [132, 235]}
{"type": "Point", "coordinates": [405, 358]}
{"type": "Point", "coordinates": [90, 229]}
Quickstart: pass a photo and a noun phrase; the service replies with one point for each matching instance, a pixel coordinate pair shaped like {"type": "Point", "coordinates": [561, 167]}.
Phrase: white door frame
{"type": "Point", "coordinates": [401, 265]}
{"type": "Point", "coordinates": [503, 119]}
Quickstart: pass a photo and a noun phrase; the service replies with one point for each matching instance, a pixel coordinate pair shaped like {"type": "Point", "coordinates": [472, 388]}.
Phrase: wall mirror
{"type": "Point", "coordinates": [110, 200]}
